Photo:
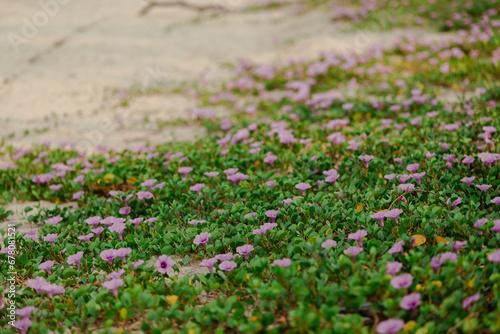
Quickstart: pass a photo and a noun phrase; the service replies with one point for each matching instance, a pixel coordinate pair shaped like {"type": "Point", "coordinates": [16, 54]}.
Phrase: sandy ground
{"type": "Point", "coordinates": [62, 65]}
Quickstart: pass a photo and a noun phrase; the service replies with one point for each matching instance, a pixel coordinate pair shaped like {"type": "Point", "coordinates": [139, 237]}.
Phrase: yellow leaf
{"type": "Point", "coordinates": [418, 287]}
{"type": "Point", "coordinates": [257, 163]}
{"type": "Point", "coordinates": [419, 239]}
{"type": "Point", "coordinates": [247, 277]}
{"type": "Point", "coordinates": [470, 284]}
{"type": "Point", "coordinates": [172, 299]}
{"type": "Point", "coordinates": [437, 283]}
{"type": "Point", "coordinates": [380, 176]}
{"type": "Point", "coordinates": [119, 331]}
{"type": "Point", "coordinates": [253, 318]}
{"type": "Point", "coordinates": [123, 313]}
{"type": "Point", "coordinates": [409, 325]}
{"type": "Point", "coordinates": [191, 331]}
{"type": "Point", "coordinates": [109, 177]}
{"type": "Point", "coordinates": [290, 169]}
{"type": "Point", "coordinates": [358, 208]}
{"type": "Point", "coordinates": [323, 146]}
{"type": "Point", "coordinates": [440, 239]}
{"type": "Point", "coordinates": [132, 180]}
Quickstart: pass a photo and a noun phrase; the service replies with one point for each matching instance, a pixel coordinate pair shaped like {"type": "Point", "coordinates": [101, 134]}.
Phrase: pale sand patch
{"type": "Point", "coordinates": [21, 217]}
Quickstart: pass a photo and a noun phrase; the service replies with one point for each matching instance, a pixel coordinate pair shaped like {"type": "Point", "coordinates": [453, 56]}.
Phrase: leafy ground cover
{"type": "Point", "coordinates": [310, 210]}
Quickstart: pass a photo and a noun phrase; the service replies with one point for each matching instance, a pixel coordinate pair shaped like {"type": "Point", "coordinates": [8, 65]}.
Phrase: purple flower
{"type": "Point", "coordinates": [115, 274]}
{"type": "Point", "coordinates": [108, 255]}
{"type": "Point", "coordinates": [227, 266]}
{"type": "Point", "coordinates": [211, 174]}
{"type": "Point", "coordinates": [46, 266]}
{"type": "Point", "coordinates": [54, 220]}
{"type": "Point", "coordinates": [394, 214]}
{"type": "Point", "coordinates": [392, 268]}
{"type": "Point", "coordinates": [37, 284]}
{"type": "Point", "coordinates": [270, 159]}
{"type": "Point", "coordinates": [468, 160]}
{"type": "Point", "coordinates": [483, 187]}
{"type": "Point", "coordinates": [118, 227]}
{"type": "Point", "coordinates": [495, 256]}
{"type": "Point", "coordinates": [411, 301]}
{"type": "Point", "coordinates": [379, 216]}
{"type": "Point", "coordinates": [164, 264]}
{"type": "Point", "coordinates": [401, 281]}
{"type": "Point", "coordinates": [86, 238]}
{"type": "Point", "coordinates": [467, 303]}
{"type": "Point", "coordinates": [438, 260]}
{"type": "Point", "coordinates": [25, 311]}
{"type": "Point", "coordinates": [272, 214]}
{"type": "Point", "coordinates": [496, 226]}
{"type": "Point", "coordinates": [98, 231]}
{"type": "Point", "coordinates": [55, 187]}
{"type": "Point", "coordinates": [113, 285]}
{"type": "Point", "coordinates": [418, 176]}
{"type": "Point", "coordinates": [53, 289]}
{"type": "Point", "coordinates": [149, 184]}
{"type": "Point", "coordinates": [429, 155]}
{"type": "Point", "coordinates": [302, 187]}
{"type": "Point", "coordinates": [224, 257]}
{"type": "Point", "coordinates": [353, 251]}
{"type": "Point", "coordinates": [457, 245]}
{"type": "Point", "coordinates": [231, 171]}
{"type": "Point", "coordinates": [51, 238]}
{"type": "Point", "coordinates": [366, 159]}
{"type": "Point", "coordinates": [137, 221]}
{"type": "Point", "coordinates": [397, 247]}
{"type": "Point", "coordinates": [122, 252]}
{"type": "Point", "coordinates": [390, 326]}
{"type": "Point", "coordinates": [358, 236]}
{"type": "Point", "coordinates": [283, 263]}
{"type": "Point", "coordinates": [328, 243]}
{"type": "Point", "coordinates": [468, 180]}
{"type": "Point", "coordinates": [136, 264]}
{"type": "Point", "coordinates": [235, 178]}
{"type": "Point", "coordinates": [125, 210]}
{"type": "Point", "coordinates": [209, 263]}
{"type": "Point", "coordinates": [75, 259]}
{"type": "Point", "coordinates": [412, 168]}
{"type": "Point", "coordinates": [144, 195]}
{"type": "Point", "coordinates": [197, 187]}
{"type": "Point", "coordinates": [455, 203]}
{"type": "Point", "coordinates": [77, 195]}
{"type": "Point", "coordinates": [496, 200]}
{"type": "Point", "coordinates": [244, 250]}
{"type": "Point", "coordinates": [93, 221]}
{"type": "Point", "coordinates": [23, 324]}
{"type": "Point", "coordinates": [202, 238]}
{"type": "Point", "coordinates": [195, 222]}
{"type": "Point", "coordinates": [185, 171]}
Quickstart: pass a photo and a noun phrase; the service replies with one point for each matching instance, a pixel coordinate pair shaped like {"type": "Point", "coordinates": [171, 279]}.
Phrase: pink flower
{"type": "Point", "coordinates": [270, 159]}
{"type": "Point", "coordinates": [412, 168]}
{"type": "Point", "coordinates": [122, 252]}
{"type": "Point", "coordinates": [51, 238]}
{"type": "Point", "coordinates": [185, 171]}
{"type": "Point", "coordinates": [211, 174]}
{"type": "Point", "coordinates": [390, 326]}
{"type": "Point", "coordinates": [283, 263]}
{"type": "Point", "coordinates": [328, 243]}
{"type": "Point", "coordinates": [77, 195]}
{"type": "Point", "coordinates": [468, 180]}
{"type": "Point", "coordinates": [418, 176]}
{"type": "Point", "coordinates": [353, 251]}
{"type": "Point", "coordinates": [455, 203]}
{"type": "Point", "coordinates": [149, 184]}
{"type": "Point", "coordinates": [394, 214]}
{"type": "Point", "coordinates": [86, 238]}
{"type": "Point", "coordinates": [118, 227]}
{"type": "Point", "coordinates": [209, 263]}
{"type": "Point", "coordinates": [23, 324]}
{"type": "Point", "coordinates": [98, 231]}
{"type": "Point", "coordinates": [397, 247]}
{"type": "Point", "coordinates": [495, 256]}
{"type": "Point", "coordinates": [392, 268]}
{"type": "Point", "coordinates": [75, 259]}
{"type": "Point", "coordinates": [54, 220]}
{"type": "Point", "coordinates": [46, 266]}
{"type": "Point", "coordinates": [227, 266]}
{"type": "Point", "coordinates": [496, 200]}
{"type": "Point", "coordinates": [483, 187]}
{"type": "Point", "coordinates": [366, 159]}
{"type": "Point", "coordinates": [113, 285]}
{"type": "Point", "coordinates": [303, 187]}
{"type": "Point", "coordinates": [144, 195]}
{"type": "Point", "coordinates": [467, 303]}
{"type": "Point", "coordinates": [411, 301]}
{"type": "Point", "coordinates": [272, 214]}
{"type": "Point", "coordinates": [93, 221]}
{"type": "Point", "coordinates": [202, 238]}
{"type": "Point", "coordinates": [164, 264]}
{"type": "Point", "coordinates": [108, 255]}
{"type": "Point", "coordinates": [244, 250]}
{"type": "Point", "coordinates": [358, 236]}
{"type": "Point", "coordinates": [195, 222]}
{"type": "Point", "coordinates": [379, 216]}
{"type": "Point", "coordinates": [401, 281]}
{"type": "Point", "coordinates": [197, 187]}
{"type": "Point", "coordinates": [136, 264]}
